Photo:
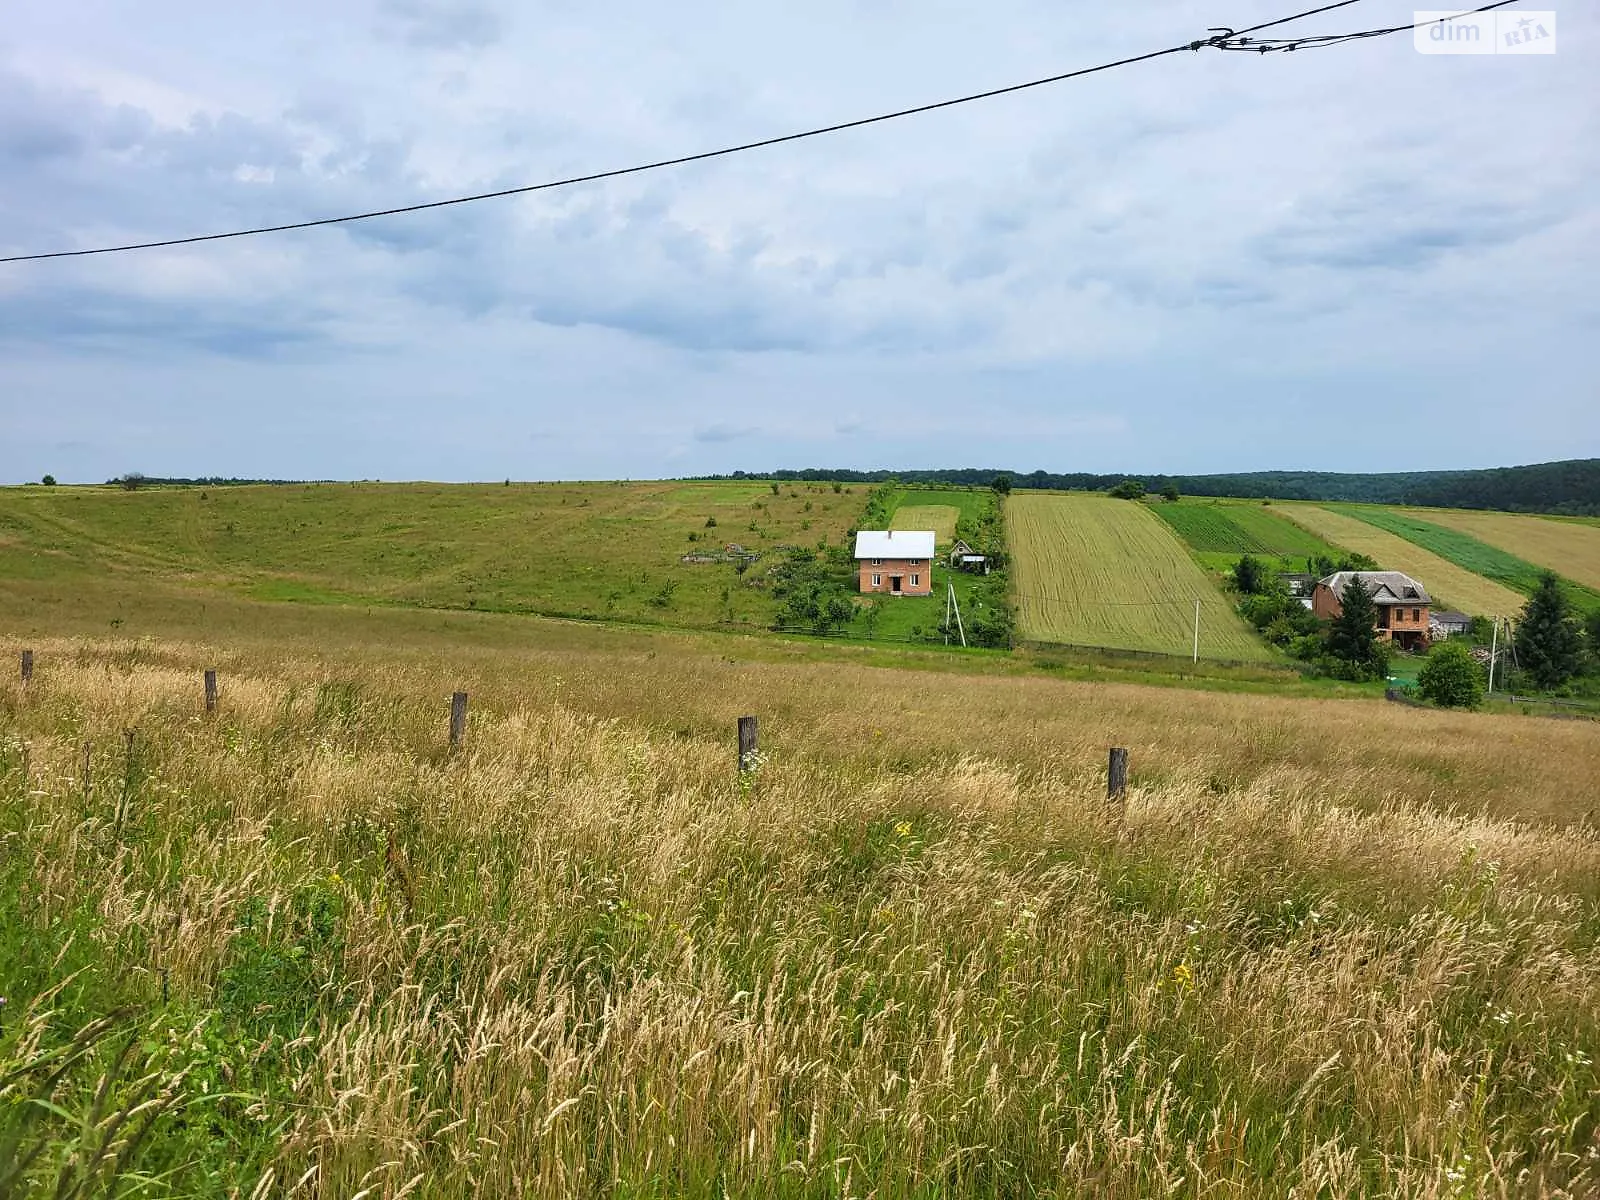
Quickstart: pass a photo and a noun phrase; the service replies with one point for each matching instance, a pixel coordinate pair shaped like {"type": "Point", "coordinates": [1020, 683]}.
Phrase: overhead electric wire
{"type": "Point", "coordinates": [1222, 39]}
{"type": "Point", "coordinates": [1237, 41]}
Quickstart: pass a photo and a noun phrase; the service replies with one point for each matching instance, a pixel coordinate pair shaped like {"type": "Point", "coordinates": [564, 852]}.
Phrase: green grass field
{"type": "Point", "coordinates": [589, 550]}
{"type": "Point", "coordinates": [968, 502]}
{"type": "Point", "coordinates": [1219, 532]}
{"type": "Point", "coordinates": [1092, 571]}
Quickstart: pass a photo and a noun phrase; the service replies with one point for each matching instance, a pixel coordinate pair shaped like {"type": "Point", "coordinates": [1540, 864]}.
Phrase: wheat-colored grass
{"type": "Point", "coordinates": [1447, 583]}
{"type": "Point", "coordinates": [941, 518]}
{"type": "Point", "coordinates": [1333, 948]}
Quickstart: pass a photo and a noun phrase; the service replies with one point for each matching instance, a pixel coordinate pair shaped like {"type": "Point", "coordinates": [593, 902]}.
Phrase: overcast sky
{"type": "Point", "coordinates": [1358, 258]}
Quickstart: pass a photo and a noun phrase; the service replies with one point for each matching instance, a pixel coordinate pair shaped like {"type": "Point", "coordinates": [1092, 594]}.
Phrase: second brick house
{"type": "Point", "coordinates": [1402, 604]}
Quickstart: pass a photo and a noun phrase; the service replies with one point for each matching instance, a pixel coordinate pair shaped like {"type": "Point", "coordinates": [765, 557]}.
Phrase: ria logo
{"type": "Point", "coordinates": [1455, 32]}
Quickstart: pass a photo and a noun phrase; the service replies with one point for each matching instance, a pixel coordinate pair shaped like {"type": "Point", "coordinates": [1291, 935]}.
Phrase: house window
{"type": "Point", "coordinates": [1416, 614]}
{"type": "Point", "coordinates": [877, 562]}
{"type": "Point", "coordinates": [913, 562]}
{"type": "Point", "coordinates": [913, 581]}
{"type": "Point", "coordinates": [877, 581]}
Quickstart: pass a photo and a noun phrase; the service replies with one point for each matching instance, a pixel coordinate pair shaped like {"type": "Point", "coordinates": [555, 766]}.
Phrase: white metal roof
{"type": "Point", "coordinates": [894, 543]}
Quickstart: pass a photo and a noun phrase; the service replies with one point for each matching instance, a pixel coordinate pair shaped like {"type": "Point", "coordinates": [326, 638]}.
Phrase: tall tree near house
{"type": "Point", "coordinates": [1249, 576]}
{"type": "Point", "coordinates": [1591, 627]}
{"type": "Point", "coordinates": [1549, 647]}
{"type": "Point", "coordinates": [1353, 636]}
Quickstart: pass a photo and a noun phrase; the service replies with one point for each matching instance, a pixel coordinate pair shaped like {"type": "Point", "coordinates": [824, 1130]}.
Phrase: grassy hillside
{"type": "Point", "coordinates": [1450, 586]}
{"type": "Point", "coordinates": [1098, 572]}
{"type": "Point", "coordinates": [608, 550]}
{"type": "Point", "coordinates": [1331, 947]}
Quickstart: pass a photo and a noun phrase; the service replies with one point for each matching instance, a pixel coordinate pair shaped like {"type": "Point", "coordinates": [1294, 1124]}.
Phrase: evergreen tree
{"type": "Point", "coordinates": [1353, 636]}
{"type": "Point", "coordinates": [1249, 576]}
{"type": "Point", "coordinates": [1548, 644]}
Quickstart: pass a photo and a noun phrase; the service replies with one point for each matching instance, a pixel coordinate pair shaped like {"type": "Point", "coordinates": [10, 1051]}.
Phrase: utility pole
{"type": "Point", "coordinates": [962, 629]}
{"type": "Point", "coordinates": [1197, 630]}
{"type": "Point", "coordinates": [949, 598]}
{"type": "Point", "coordinates": [1494, 646]}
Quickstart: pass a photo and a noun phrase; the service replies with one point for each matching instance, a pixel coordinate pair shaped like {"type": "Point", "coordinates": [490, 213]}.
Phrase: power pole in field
{"type": "Point", "coordinates": [1197, 630]}
{"type": "Point", "coordinates": [949, 603]}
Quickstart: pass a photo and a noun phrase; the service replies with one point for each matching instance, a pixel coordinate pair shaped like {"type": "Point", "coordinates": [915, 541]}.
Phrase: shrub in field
{"type": "Point", "coordinates": [48, 481]}
{"type": "Point", "coordinates": [1129, 489]}
{"type": "Point", "coordinates": [1451, 677]}
{"type": "Point", "coordinates": [813, 594]}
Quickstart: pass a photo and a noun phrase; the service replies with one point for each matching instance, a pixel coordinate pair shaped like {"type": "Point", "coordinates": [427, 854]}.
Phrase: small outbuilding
{"type": "Point", "coordinates": [964, 558]}
{"type": "Point", "coordinates": [1445, 624]}
{"type": "Point", "coordinates": [896, 561]}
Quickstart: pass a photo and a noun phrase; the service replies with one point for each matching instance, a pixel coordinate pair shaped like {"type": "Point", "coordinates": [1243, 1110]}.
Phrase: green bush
{"type": "Point", "coordinates": [1451, 677]}
{"type": "Point", "coordinates": [1129, 489]}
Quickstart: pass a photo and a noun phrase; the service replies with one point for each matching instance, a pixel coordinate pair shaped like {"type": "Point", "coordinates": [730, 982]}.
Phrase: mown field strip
{"type": "Point", "coordinates": [941, 518]}
{"type": "Point", "coordinates": [1092, 571]}
{"type": "Point", "coordinates": [1449, 585]}
{"type": "Point", "coordinates": [1566, 547]}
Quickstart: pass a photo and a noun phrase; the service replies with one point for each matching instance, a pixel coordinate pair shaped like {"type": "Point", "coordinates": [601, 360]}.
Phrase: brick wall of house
{"type": "Point", "coordinates": [1402, 618]}
{"type": "Point", "coordinates": [877, 575]}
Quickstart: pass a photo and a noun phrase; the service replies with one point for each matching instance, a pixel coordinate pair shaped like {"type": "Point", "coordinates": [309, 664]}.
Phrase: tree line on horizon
{"type": "Point", "coordinates": [1569, 488]}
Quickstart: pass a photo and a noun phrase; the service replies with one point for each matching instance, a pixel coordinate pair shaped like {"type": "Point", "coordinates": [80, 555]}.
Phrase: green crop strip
{"type": "Point", "coordinates": [1469, 553]}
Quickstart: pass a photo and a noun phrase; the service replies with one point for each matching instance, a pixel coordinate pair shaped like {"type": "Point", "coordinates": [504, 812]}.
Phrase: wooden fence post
{"type": "Point", "coordinates": [27, 666]}
{"type": "Point", "coordinates": [458, 720]}
{"type": "Point", "coordinates": [86, 748]}
{"type": "Point", "coordinates": [211, 691]}
{"type": "Point", "coordinates": [748, 740]}
{"type": "Point", "coordinates": [1117, 775]}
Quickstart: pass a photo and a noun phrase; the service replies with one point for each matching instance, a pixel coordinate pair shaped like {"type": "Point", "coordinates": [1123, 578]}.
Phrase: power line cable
{"type": "Point", "coordinates": [1237, 41]}
{"type": "Point", "coordinates": [1224, 39]}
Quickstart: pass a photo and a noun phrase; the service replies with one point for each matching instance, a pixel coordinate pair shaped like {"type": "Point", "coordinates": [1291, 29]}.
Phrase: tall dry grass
{"type": "Point", "coordinates": [914, 955]}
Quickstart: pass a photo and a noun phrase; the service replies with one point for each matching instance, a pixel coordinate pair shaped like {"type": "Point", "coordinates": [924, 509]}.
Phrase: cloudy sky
{"type": "Point", "coordinates": [1359, 258]}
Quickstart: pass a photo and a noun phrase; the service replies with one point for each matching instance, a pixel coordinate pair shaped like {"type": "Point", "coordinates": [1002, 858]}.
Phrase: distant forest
{"type": "Point", "coordinates": [1570, 488]}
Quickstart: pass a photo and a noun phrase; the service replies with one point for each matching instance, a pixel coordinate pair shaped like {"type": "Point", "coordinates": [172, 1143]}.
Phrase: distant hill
{"type": "Point", "coordinates": [1568, 488]}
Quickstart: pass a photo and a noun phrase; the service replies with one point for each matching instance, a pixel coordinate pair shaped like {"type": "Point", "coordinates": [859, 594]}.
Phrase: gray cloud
{"type": "Point", "coordinates": [724, 432]}
{"type": "Point", "coordinates": [443, 24]}
{"type": "Point", "coordinates": [1153, 259]}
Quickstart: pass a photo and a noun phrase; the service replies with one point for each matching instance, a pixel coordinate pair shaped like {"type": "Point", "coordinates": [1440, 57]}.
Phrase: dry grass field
{"type": "Point", "coordinates": [941, 518]}
{"type": "Point", "coordinates": [1092, 571]}
{"type": "Point", "coordinates": [1571, 548]}
{"type": "Point", "coordinates": [1331, 947]}
{"type": "Point", "coordinates": [1451, 586]}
